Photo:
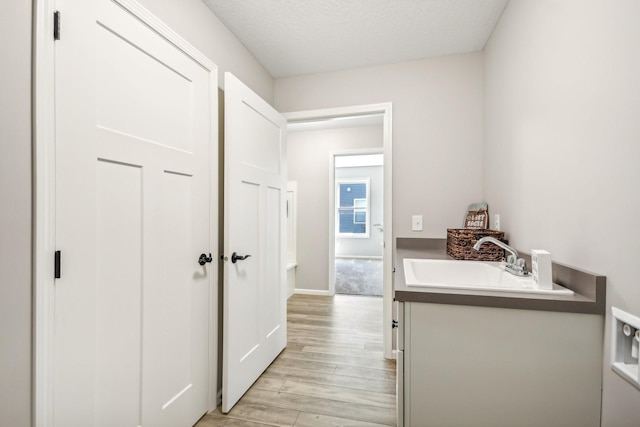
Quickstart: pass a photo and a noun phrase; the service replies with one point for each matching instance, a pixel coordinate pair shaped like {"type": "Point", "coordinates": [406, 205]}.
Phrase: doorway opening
{"type": "Point", "coordinates": [316, 218]}
{"type": "Point", "coordinates": [359, 219]}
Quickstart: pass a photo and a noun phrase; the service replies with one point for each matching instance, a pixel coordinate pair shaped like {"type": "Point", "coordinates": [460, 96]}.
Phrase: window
{"type": "Point", "coordinates": [352, 208]}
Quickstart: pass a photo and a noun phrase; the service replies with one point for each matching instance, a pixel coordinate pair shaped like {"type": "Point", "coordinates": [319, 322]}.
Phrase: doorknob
{"type": "Point", "coordinates": [235, 257]}
{"type": "Point", "coordinates": [204, 259]}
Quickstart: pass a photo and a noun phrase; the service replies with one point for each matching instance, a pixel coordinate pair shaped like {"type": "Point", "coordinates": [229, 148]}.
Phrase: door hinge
{"type": "Point", "coordinates": [394, 324]}
{"type": "Point", "coordinates": [56, 25]}
{"type": "Point", "coordinates": [56, 265]}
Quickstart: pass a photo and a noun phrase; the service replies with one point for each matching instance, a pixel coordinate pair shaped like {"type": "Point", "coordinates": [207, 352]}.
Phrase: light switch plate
{"type": "Point", "coordinates": [416, 223]}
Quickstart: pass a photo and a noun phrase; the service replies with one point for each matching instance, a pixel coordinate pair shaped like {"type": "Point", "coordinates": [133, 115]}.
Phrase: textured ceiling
{"type": "Point", "coordinates": [294, 37]}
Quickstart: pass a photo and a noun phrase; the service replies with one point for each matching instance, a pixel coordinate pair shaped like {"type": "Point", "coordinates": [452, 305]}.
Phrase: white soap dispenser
{"type": "Point", "coordinates": [541, 268]}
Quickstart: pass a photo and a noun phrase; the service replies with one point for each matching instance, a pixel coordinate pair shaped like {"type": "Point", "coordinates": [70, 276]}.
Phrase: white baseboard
{"type": "Point", "coordinates": [311, 292]}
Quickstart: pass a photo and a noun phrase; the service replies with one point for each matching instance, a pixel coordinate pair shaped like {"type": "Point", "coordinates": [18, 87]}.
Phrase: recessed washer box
{"type": "Point", "coordinates": [624, 349]}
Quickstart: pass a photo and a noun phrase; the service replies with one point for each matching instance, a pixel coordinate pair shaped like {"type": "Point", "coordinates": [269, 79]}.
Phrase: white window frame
{"type": "Point", "coordinates": [367, 233]}
{"type": "Point", "coordinates": [357, 209]}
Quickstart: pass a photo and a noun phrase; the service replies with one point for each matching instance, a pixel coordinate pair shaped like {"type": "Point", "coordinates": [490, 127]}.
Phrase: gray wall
{"type": "Point", "coordinates": [15, 214]}
{"type": "Point", "coordinates": [195, 22]}
{"type": "Point", "coordinates": [372, 245]}
{"type": "Point", "coordinates": [556, 153]}
{"type": "Point", "coordinates": [308, 164]}
{"type": "Point", "coordinates": [437, 130]}
{"type": "Point", "coordinates": [562, 146]}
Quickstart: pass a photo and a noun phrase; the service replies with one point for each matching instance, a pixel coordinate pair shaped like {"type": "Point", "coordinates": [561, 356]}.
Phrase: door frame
{"type": "Point", "coordinates": [333, 207]}
{"type": "Point", "coordinates": [386, 110]}
{"type": "Point", "coordinates": [43, 223]}
{"type": "Point", "coordinates": [43, 246]}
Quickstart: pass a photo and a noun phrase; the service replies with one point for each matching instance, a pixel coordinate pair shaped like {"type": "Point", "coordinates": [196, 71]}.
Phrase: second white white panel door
{"type": "Point", "coordinates": [255, 224]}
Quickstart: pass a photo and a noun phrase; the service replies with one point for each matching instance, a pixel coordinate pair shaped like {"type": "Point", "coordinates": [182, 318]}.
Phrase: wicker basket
{"type": "Point", "coordinates": [460, 243]}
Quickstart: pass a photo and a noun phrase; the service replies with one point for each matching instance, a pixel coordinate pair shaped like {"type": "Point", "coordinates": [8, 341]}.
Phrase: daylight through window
{"type": "Point", "coordinates": [352, 216]}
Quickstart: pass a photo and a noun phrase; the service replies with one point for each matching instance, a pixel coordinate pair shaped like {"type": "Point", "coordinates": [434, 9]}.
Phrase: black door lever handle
{"type": "Point", "coordinates": [235, 257]}
{"type": "Point", "coordinates": [204, 259]}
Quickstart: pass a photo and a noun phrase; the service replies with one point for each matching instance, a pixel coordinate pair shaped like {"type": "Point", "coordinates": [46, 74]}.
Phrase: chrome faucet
{"type": "Point", "coordinates": [515, 265]}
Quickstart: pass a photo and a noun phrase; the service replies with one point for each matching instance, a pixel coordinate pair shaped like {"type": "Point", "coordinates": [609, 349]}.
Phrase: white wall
{"type": "Point", "coordinates": [437, 130]}
{"type": "Point", "coordinates": [562, 146]}
{"type": "Point", "coordinates": [15, 214]}
{"type": "Point", "coordinates": [372, 245]}
{"type": "Point", "coordinates": [308, 164]}
{"type": "Point", "coordinates": [195, 22]}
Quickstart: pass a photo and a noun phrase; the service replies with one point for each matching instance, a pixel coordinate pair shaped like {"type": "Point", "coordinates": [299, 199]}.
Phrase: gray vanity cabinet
{"type": "Point", "coordinates": [475, 366]}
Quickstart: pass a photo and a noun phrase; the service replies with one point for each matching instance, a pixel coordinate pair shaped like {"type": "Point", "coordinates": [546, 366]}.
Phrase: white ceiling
{"type": "Point", "coordinates": [295, 37]}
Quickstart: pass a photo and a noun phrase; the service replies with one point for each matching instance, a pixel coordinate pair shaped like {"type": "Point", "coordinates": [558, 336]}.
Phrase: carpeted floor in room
{"type": "Point", "coordinates": [355, 276]}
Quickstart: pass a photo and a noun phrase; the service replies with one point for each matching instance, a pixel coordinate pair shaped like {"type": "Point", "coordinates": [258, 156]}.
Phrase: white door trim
{"type": "Point", "coordinates": [43, 212]}
{"type": "Point", "coordinates": [44, 200]}
{"type": "Point", "coordinates": [386, 110]}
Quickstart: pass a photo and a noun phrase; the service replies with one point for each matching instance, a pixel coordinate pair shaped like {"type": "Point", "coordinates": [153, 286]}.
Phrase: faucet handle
{"type": "Point", "coordinates": [516, 266]}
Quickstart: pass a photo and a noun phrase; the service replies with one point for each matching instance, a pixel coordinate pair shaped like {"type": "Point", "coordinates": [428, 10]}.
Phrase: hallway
{"type": "Point", "coordinates": [332, 372]}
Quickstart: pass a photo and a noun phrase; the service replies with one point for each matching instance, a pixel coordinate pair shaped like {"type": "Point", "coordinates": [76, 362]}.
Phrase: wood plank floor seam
{"type": "Point", "coordinates": [332, 372]}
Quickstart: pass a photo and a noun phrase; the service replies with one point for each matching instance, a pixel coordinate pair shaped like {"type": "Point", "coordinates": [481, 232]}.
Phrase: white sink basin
{"type": "Point", "coordinates": [474, 275]}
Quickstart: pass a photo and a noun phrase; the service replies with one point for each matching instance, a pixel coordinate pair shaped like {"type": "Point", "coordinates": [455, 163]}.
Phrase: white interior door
{"type": "Point", "coordinates": [255, 194]}
{"type": "Point", "coordinates": [136, 119]}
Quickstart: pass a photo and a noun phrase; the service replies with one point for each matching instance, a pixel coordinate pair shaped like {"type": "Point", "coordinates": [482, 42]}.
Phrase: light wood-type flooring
{"type": "Point", "coordinates": [332, 372]}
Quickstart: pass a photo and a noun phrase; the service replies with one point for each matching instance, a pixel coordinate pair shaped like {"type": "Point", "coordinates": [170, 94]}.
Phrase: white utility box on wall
{"type": "Point", "coordinates": [624, 348]}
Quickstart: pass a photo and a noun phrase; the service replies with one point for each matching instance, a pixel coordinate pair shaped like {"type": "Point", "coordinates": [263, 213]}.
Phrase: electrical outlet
{"type": "Point", "coordinates": [496, 222]}
{"type": "Point", "coordinates": [416, 223]}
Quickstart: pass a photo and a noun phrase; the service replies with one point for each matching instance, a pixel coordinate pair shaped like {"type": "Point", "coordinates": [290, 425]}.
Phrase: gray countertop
{"type": "Point", "coordinates": [589, 288]}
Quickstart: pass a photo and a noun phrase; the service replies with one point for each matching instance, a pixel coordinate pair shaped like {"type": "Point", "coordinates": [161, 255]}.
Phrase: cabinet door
{"type": "Point", "coordinates": [400, 387]}
{"type": "Point", "coordinates": [399, 309]}
{"type": "Point", "coordinates": [470, 366]}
